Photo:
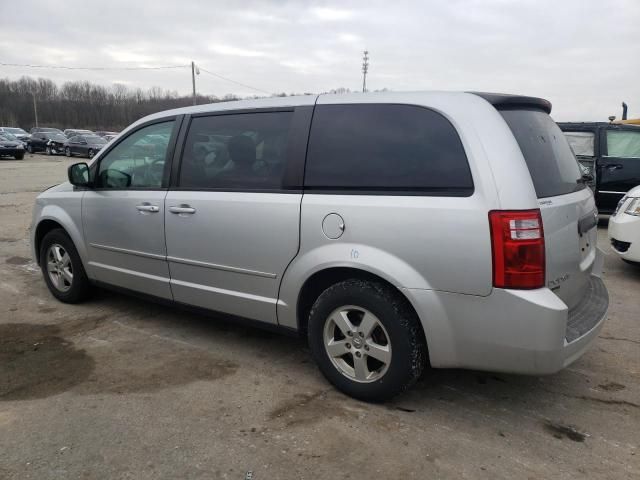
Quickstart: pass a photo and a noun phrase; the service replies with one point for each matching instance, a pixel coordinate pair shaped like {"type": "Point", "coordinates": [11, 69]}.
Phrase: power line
{"type": "Point", "coordinates": [233, 81]}
{"type": "Point", "coordinates": [63, 67]}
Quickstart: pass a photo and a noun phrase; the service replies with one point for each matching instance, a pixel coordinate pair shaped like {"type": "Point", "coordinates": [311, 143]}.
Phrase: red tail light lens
{"type": "Point", "coordinates": [517, 242]}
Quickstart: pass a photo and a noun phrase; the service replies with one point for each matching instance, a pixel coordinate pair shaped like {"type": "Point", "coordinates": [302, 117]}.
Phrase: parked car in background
{"type": "Point", "coordinates": [386, 228]}
{"type": "Point", "coordinates": [624, 227]}
{"type": "Point", "coordinates": [44, 130]}
{"type": "Point", "coordinates": [50, 142]}
{"type": "Point", "coordinates": [104, 133]}
{"type": "Point", "coordinates": [611, 155]}
{"type": "Point", "coordinates": [72, 132]}
{"type": "Point", "coordinates": [10, 146]}
{"type": "Point", "coordinates": [84, 145]}
{"type": "Point", "coordinates": [19, 133]}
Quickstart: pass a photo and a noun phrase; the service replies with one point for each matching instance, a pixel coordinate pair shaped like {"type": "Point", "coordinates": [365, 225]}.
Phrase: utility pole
{"type": "Point", "coordinates": [365, 69]}
{"type": "Point", "coordinates": [35, 107]}
{"type": "Point", "coordinates": [193, 80]}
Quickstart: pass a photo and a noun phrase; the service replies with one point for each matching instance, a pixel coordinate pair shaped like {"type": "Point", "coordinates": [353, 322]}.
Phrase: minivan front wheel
{"type": "Point", "coordinates": [366, 339]}
{"type": "Point", "coordinates": [62, 268]}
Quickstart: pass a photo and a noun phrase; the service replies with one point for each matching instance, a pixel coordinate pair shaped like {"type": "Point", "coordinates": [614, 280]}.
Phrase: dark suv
{"type": "Point", "coordinates": [610, 153]}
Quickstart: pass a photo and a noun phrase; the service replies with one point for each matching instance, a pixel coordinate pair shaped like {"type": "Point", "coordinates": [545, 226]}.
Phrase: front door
{"type": "Point", "coordinates": [123, 216]}
{"type": "Point", "coordinates": [231, 224]}
{"type": "Point", "coordinates": [619, 168]}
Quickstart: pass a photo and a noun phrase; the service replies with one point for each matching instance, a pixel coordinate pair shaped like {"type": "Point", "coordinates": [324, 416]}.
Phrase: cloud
{"type": "Point", "coordinates": [331, 14]}
{"type": "Point", "coordinates": [576, 53]}
{"type": "Point", "coordinates": [236, 51]}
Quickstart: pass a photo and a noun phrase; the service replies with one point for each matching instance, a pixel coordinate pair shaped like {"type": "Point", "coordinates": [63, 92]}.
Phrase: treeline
{"type": "Point", "coordinates": [84, 104]}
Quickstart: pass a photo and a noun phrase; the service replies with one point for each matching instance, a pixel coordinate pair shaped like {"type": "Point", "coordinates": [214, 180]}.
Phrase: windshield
{"type": "Point", "coordinates": [552, 165]}
{"type": "Point", "coordinates": [15, 130]}
{"type": "Point", "coordinates": [58, 137]}
{"type": "Point", "coordinates": [7, 137]}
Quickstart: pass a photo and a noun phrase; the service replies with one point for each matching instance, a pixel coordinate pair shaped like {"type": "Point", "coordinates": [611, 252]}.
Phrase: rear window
{"type": "Point", "coordinates": [552, 165]}
{"type": "Point", "coordinates": [372, 147]}
{"type": "Point", "coordinates": [582, 143]}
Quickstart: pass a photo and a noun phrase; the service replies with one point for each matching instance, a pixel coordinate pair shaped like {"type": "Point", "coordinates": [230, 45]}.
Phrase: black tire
{"type": "Point", "coordinates": [19, 156]}
{"type": "Point", "coordinates": [90, 153]}
{"type": "Point", "coordinates": [631, 262]}
{"type": "Point", "coordinates": [29, 148]}
{"type": "Point", "coordinates": [80, 288]}
{"type": "Point", "coordinates": [406, 338]}
{"type": "Point", "coordinates": [67, 151]}
{"type": "Point", "coordinates": [48, 151]}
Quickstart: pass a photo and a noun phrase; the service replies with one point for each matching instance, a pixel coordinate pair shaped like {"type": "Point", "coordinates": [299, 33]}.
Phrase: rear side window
{"type": "Point", "coordinates": [623, 143]}
{"type": "Point", "coordinates": [582, 143]}
{"type": "Point", "coordinates": [552, 165]}
{"type": "Point", "coordinates": [375, 147]}
{"type": "Point", "coordinates": [236, 152]}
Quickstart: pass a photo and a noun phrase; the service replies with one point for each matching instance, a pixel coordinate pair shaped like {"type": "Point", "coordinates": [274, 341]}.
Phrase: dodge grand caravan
{"type": "Point", "coordinates": [393, 230]}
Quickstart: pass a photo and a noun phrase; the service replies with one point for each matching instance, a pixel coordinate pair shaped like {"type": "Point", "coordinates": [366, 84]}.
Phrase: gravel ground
{"type": "Point", "coordinates": [122, 388]}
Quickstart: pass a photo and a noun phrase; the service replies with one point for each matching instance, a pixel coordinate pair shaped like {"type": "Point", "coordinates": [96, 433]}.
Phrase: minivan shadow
{"type": "Point", "coordinates": [464, 387]}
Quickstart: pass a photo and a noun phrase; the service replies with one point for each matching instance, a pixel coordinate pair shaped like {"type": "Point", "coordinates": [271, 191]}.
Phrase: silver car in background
{"type": "Point", "coordinates": [393, 230]}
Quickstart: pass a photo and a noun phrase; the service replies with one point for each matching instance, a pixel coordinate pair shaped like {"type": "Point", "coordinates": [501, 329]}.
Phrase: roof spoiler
{"type": "Point", "coordinates": [505, 101]}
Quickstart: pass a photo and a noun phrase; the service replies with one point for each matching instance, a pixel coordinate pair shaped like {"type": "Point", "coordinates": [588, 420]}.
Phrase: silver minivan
{"type": "Point", "coordinates": [394, 230]}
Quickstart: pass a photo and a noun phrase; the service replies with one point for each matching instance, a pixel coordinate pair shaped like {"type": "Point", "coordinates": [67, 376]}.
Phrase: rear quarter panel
{"type": "Point", "coordinates": [416, 242]}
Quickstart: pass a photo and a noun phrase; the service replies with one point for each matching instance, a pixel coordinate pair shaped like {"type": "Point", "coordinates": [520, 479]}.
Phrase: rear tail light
{"type": "Point", "coordinates": [517, 242]}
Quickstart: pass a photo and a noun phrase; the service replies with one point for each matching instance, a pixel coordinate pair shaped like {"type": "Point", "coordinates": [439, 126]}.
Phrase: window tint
{"type": "Point", "coordinates": [582, 143]}
{"type": "Point", "coordinates": [139, 160]}
{"type": "Point", "coordinates": [552, 165]}
{"type": "Point", "coordinates": [373, 147]}
{"type": "Point", "coordinates": [623, 143]}
{"type": "Point", "coordinates": [240, 151]}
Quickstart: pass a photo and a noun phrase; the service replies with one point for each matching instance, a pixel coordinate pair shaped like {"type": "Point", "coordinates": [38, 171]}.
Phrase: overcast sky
{"type": "Point", "coordinates": [583, 55]}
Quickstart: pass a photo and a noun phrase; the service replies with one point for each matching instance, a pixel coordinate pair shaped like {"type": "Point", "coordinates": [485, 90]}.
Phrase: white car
{"type": "Point", "coordinates": [624, 227]}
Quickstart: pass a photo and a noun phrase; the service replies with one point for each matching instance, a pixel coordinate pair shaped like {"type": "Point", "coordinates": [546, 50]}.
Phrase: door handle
{"type": "Point", "coordinates": [182, 209]}
{"type": "Point", "coordinates": [613, 167]}
{"type": "Point", "coordinates": [146, 207]}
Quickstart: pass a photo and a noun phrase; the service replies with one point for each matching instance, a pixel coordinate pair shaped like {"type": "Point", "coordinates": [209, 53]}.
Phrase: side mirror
{"type": "Point", "coordinates": [78, 174]}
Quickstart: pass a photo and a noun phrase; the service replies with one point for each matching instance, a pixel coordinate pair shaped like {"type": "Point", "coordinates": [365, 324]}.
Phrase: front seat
{"type": "Point", "coordinates": [242, 151]}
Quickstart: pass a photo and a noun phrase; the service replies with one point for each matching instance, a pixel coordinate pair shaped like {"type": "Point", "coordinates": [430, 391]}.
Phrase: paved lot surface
{"type": "Point", "coordinates": [121, 388]}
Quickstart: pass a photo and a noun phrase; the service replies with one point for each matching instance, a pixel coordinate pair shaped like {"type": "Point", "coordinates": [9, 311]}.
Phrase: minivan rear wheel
{"type": "Point", "coordinates": [366, 339]}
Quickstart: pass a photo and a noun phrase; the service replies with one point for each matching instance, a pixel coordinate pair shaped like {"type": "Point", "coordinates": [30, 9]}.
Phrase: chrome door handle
{"type": "Point", "coordinates": [182, 209]}
{"type": "Point", "coordinates": [145, 207]}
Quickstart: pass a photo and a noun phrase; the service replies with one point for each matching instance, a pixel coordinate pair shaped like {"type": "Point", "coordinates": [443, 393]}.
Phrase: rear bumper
{"type": "Point", "coordinates": [514, 331]}
{"type": "Point", "coordinates": [10, 152]}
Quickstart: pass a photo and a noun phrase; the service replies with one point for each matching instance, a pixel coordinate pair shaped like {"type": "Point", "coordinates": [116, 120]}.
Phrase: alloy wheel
{"type": "Point", "coordinates": [59, 267]}
{"type": "Point", "coordinates": [357, 344]}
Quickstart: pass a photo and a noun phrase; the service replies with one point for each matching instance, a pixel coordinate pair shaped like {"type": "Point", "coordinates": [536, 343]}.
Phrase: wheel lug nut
{"type": "Point", "coordinates": [366, 347]}
{"type": "Point", "coordinates": [358, 354]}
{"type": "Point", "coordinates": [361, 334]}
{"type": "Point", "coordinates": [350, 333]}
{"type": "Point", "coordinates": [348, 345]}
